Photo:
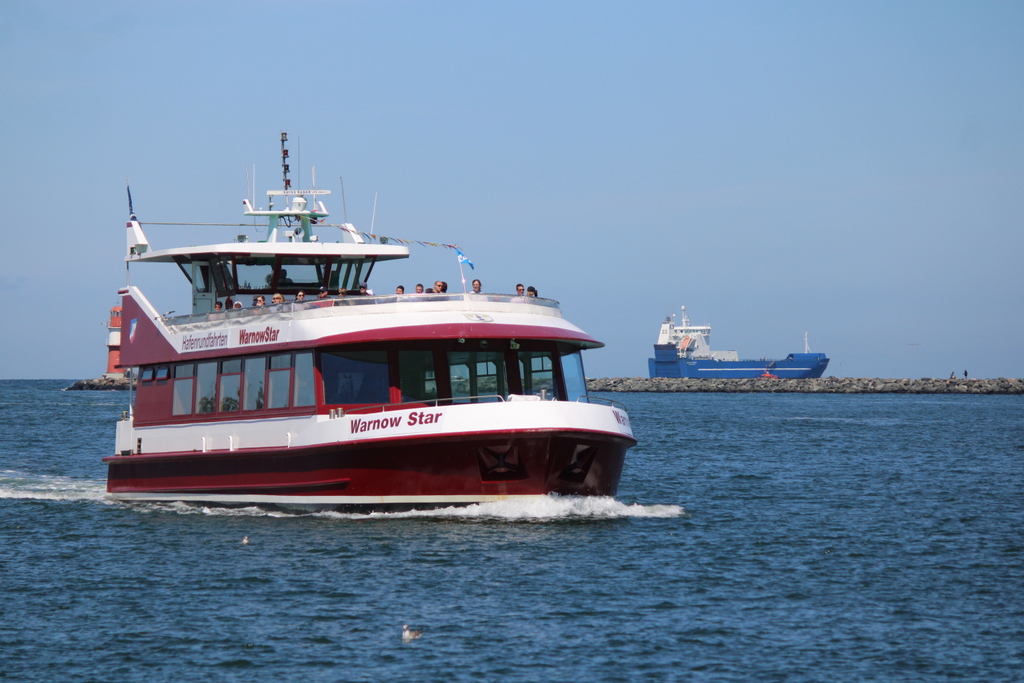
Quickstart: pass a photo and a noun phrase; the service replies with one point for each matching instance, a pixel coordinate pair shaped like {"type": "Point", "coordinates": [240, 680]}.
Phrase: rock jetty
{"type": "Point", "coordinates": [822, 385]}
{"type": "Point", "coordinates": [100, 384]}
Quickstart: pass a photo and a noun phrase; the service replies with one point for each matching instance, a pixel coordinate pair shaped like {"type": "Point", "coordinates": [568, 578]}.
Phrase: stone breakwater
{"type": "Point", "coordinates": [823, 385]}
{"type": "Point", "coordinates": [100, 384]}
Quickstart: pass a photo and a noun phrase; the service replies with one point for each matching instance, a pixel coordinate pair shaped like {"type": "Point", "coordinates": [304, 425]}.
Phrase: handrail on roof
{"type": "Point", "coordinates": [352, 300]}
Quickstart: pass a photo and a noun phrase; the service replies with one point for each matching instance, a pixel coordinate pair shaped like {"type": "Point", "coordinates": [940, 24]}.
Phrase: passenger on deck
{"type": "Point", "coordinates": [520, 290]}
{"type": "Point", "coordinates": [419, 288]}
{"type": "Point", "coordinates": [323, 293]}
{"type": "Point", "coordinates": [278, 298]}
{"type": "Point", "coordinates": [260, 301]}
{"type": "Point", "coordinates": [531, 291]}
{"type": "Point", "coordinates": [284, 280]}
{"type": "Point", "coordinates": [229, 304]}
{"type": "Point", "coordinates": [400, 289]}
{"type": "Point", "coordinates": [237, 304]}
{"type": "Point", "coordinates": [477, 286]}
{"type": "Point", "coordinates": [301, 296]}
{"type": "Point", "coordinates": [364, 290]}
{"type": "Point", "coordinates": [440, 287]}
{"type": "Point", "coordinates": [218, 307]}
{"type": "Point", "coordinates": [342, 292]}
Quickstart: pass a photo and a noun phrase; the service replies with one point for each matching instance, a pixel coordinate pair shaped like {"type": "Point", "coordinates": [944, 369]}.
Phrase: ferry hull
{"type": "Point", "coordinates": [794, 366]}
{"type": "Point", "coordinates": [386, 475]}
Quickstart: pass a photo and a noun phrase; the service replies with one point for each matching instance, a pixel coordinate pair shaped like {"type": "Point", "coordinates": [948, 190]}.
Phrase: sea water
{"type": "Point", "coordinates": [755, 537]}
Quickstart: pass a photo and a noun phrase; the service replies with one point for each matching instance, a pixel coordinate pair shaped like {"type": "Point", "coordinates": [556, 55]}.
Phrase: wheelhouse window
{"type": "Point", "coordinates": [359, 377]}
{"type": "Point", "coordinates": [572, 374]}
{"type": "Point", "coordinates": [255, 273]}
{"type": "Point", "coordinates": [416, 375]}
{"type": "Point", "coordinates": [537, 370]}
{"type": "Point", "coordinates": [477, 375]}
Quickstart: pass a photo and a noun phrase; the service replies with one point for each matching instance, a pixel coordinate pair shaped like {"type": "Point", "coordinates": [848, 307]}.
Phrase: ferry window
{"type": "Point", "coordinates": [477, 373]}
{"type": "Point", "coordinates": [184, 370]}
{"type": "Point", "coordinates": [416, 371]}
{"type": "Point", "coordinates": [303, 393]}
{"type": "Point", "coordinates": [181, 395]}
{"type": "Point", "coordinates": [254, 273]}
{"type": "Point", "coordinates": [537, 368]}
{"type": "Point", "coordinates": [307, 273]}
{"type": "Point", "coordinates": [147, 374]}
{"type": "Point", "coordinates": [163, 372]}
{"type": "Point", "coordinates": [355, 377]}
{"type": "Point", "coordinates": [223, 281]}
{"type": "Point", "coordinates": [230, 385]}
{"type": "Point", "coordinates": [201, 277]}
{"type": "Point", "coordinates": [572, 373]}
{"type": "Point", "coordinates": [279, 380]}
{"type": "Point", "coordinates": [255, 369]}
{"type": "Point", "coordinates": [206, 387]}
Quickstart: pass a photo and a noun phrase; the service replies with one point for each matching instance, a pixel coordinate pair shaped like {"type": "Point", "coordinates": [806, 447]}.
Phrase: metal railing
{"type": "Point", "coordinates": [354, 300]}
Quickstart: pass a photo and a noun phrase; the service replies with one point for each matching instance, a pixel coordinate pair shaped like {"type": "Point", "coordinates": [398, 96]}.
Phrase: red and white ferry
{"type": "Point", "coordinates": [374, 402]}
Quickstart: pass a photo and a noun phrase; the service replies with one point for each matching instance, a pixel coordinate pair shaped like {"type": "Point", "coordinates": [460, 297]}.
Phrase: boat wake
{"type": "Point", "coordinates": [547, 508]}
{"type": "Point", "coordinates": [43, 487]}
{"type": "Point", "coordinates": [20, 485]}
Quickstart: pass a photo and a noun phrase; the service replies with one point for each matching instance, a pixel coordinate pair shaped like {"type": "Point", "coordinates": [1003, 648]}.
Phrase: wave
{"type": "Point", "coordinates": [43, 487]}
{"type": "Point", "coordinates": [545, 508]}
{"type": "Point", "coordinates": [19, 485]}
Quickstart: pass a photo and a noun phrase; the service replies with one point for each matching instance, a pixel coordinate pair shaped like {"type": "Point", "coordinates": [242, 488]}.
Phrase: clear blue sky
{"type": "Point", "coordinates": [852, 170]}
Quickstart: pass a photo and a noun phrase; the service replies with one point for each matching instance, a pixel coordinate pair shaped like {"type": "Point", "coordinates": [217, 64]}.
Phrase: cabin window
{"type": "Point", "coordinates": [230, 385]}
{"type": "Point", "coordinates": [255, 370]}
{"type": "Point", "coordinates": [477, 374]}
{"type": "Point", "coordinates": [537, 369]}
{"type": "Point", "coordinates": [572, 373]}
{"type": "Point", "coordinates": [416, 371]}
{"type": "Point", "coordinates": [355, 377]}
{"type": "Point", "coordinates": [206, 387]}
{"type": "Point", "coordinates": [255, 273]}
{"type": "Point", "coordinates": [304, 273]}
{"type": "Point", "coordinates": [181, 401]}
{"type": "Point", "coordinates": [147, 374]}
{"type": "Point", "coordinates": [304, 393]}
{"type": "Point", "coordinates": [279, 380]}
{"type": "Point", "coordinates": [163, 372]}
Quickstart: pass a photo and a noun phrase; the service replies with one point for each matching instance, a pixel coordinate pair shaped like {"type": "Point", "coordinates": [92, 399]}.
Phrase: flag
{"type": "Point", "coordinates": [464, 259]}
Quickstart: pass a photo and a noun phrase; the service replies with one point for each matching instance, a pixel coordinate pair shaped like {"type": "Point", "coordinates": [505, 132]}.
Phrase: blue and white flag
{"type": "Point", "coordinates": [464, 259]}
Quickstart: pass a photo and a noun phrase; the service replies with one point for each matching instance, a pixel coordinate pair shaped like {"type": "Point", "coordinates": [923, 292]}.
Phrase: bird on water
{"type": "Point", "coordinates": [245, 540]}
{"type": "Point", "coordinates": [408, 634]}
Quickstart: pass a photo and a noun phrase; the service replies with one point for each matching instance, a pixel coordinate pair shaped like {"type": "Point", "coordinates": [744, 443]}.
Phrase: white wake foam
{"type": "Point", "coordinates": [19, 485]}
{"type": "Point", "coordinates": [42, 487]}
{"type": "Point", "coordinates": [546, 508]}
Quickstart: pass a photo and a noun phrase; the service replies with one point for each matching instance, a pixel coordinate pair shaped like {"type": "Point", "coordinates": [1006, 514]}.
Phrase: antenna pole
{"type": "Point", "coordinates": [131, 209]}
{"type": "Point", "coordinates": [344, 208]}
{"type": "Point", "coordinates": [374, 217]}
{"type": "Point", "coordinates": [284, 163]}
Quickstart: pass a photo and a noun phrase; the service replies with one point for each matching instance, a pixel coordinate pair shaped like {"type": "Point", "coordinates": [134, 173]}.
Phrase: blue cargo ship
{"type": "Point", "coordinates": [684, 351]}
